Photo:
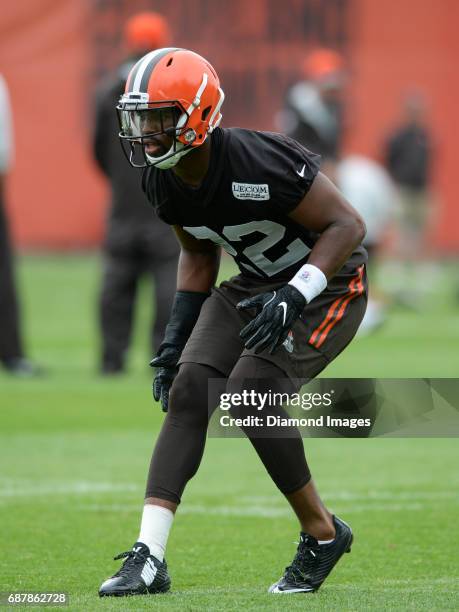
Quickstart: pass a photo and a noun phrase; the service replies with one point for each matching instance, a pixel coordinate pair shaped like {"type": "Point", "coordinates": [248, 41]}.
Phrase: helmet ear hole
{"type": "Point", "coordinates": [169, 62]}
{"type": "Point", "coordinates": [205, 113]}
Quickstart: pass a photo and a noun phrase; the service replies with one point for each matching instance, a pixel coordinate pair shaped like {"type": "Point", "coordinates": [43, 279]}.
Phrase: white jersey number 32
{"type": "Point", "coordinates": [274, 232]}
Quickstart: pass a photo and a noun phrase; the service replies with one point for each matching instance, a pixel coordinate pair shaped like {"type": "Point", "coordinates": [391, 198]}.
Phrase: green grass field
{"type": "Point", "coordinates": [74, 450]}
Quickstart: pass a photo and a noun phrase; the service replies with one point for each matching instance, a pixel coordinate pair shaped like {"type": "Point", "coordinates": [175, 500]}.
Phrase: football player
{"type": "Point", "coordinates": [296, 304]}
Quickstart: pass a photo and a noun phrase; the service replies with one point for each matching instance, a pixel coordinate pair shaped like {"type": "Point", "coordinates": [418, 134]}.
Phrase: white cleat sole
{"type": "Point", "coordinates": [275, 589]}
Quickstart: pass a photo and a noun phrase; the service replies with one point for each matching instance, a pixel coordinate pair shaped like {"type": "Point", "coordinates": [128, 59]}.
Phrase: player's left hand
{"type": "Point", "coordinates": [277, 311]}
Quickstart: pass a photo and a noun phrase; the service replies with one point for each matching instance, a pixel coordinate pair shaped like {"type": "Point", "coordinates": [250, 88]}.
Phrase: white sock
{"type": "Point", "coordinates": [154, 529]}
{"type": "Point", "coordinates": [325, 541]}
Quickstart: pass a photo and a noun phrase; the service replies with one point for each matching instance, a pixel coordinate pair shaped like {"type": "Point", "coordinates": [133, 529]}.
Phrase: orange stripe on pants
{"type": "Point", "coordinates": [329, 315]}
{"type": "Point", "coordinates": [336, 310]}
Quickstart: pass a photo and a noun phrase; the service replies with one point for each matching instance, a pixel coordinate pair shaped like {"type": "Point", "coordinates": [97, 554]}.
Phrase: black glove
{"type": "Point", "coordinates": [166, 369]}
{"type": "Point", "coordinates": [276, 312]}
{"type": "Point", "coordinates": [184, 314]}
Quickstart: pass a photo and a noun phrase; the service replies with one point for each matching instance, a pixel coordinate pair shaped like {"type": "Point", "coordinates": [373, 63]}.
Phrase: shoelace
{"type": "Point", "coordinates": [303, 563]}
{"type": "Point", "coordinates": [132, 558]}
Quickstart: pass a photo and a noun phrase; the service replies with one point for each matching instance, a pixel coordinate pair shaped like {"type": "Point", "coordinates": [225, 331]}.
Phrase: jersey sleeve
{"type": "Point", "coordinates": [291, 169]}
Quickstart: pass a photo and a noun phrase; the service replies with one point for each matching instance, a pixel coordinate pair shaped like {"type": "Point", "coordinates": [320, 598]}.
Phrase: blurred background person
{"type": "Point", "coordinates": [11, 344]}
{"type": "Point", "coordinates": [136, 241]}
{"type": "Point", "coordinates": [408, 156]}
{"type": "Point", "coordinates": [313, 110]}
{"type": "Point", "coordinates": [314, 115]}
{"type": "Point", "coordinates": [368, 187]}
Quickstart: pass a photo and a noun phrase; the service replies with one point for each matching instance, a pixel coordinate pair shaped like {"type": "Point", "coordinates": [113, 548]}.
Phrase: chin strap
{"type": "Point", "coordinates": [172, 160]}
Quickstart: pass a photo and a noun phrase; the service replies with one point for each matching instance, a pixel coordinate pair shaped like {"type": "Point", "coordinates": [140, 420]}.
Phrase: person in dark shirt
{"type": "Point", "coordinates": [136, 242]}
{"type": "Point", "coordinates": [408, 154]}
{"type": "Point", "coordinates": [313, 110]}
{"type": "Point", "coordinates": [295, 305]}
{"type": "Point", "coordinates": [409, 148]}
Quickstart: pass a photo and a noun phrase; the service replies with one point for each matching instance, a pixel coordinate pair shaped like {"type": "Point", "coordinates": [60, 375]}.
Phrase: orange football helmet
{"type": "Point", "coordinates": [168, 91]}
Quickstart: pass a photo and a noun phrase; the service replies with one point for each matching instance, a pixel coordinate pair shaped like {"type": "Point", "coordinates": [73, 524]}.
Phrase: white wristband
{"type": "Point", "coordinates": [310, 281]}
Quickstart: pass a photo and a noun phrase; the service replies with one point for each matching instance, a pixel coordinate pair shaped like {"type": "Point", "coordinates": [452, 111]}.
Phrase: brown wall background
{"type": "Point", "coordinates": [53, 51]}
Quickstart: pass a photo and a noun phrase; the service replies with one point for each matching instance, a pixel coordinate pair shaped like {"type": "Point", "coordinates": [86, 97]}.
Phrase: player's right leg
{"type": "Point", "coordinates": [211, 352]}
{"type": "Point", "coordinates": [175, 460]}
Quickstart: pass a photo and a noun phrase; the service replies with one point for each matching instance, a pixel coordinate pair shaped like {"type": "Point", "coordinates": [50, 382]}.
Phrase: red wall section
{"type": "Point", "coordinates": [400, 44]}
{"type": "Point", "coordinates": [55, 197]}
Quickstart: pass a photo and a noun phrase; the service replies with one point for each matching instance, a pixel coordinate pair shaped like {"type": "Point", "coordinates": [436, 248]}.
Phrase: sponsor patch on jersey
{"type": "Point", "coordinates": [250, 191]}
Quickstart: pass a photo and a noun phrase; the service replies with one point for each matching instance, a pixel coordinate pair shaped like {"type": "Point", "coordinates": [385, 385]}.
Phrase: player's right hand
{"type": "Point", "coordinates": [166, 369]}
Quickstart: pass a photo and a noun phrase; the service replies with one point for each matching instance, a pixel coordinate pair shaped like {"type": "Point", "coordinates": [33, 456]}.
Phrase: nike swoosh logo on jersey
{"type": "Point", "coordinates": [301, 172]}
{"type": "Point", "coordinates": [284, 306]}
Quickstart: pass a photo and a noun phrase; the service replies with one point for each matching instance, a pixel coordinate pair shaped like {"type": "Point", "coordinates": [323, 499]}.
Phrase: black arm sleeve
{"type": "Point", "coordinates": [185, 312]}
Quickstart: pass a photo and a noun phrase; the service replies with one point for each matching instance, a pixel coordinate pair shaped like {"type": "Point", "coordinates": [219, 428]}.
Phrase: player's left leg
{"type": "Point", "coordinates": [322, 332]}
{"type": "Point", "coordinates": [280, 448]}
{"type": "Point", "coordinates": [327, 325]}
{"type": "Point", "coordinates": [323, 538]}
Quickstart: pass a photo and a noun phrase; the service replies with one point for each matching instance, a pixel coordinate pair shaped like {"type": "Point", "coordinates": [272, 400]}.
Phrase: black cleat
{"type": "Point", "coordinates": [313, 561]}
{"type": "Point", "coordinates": [140, 574]}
